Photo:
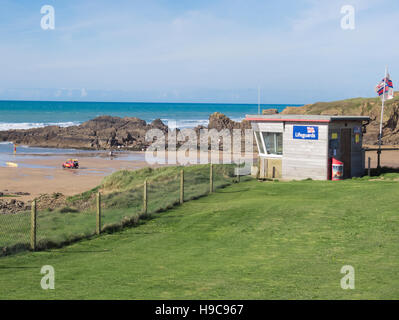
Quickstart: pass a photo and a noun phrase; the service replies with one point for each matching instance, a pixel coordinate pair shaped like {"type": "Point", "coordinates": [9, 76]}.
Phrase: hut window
{"type": "Point", "coordinates": [273, 142]}
{"type": "Point", "coordinates": [259, 142]}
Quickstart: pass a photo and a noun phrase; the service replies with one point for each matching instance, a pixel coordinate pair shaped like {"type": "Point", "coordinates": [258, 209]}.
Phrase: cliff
{"type": "Point", "coordinates": [363, 107]}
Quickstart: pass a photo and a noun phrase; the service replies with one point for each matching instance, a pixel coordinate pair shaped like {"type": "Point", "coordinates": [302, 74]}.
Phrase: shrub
{"type": "Point", "coordinates": [68, 210]}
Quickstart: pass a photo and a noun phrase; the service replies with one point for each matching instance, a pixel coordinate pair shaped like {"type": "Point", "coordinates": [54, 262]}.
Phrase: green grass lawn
{"type": "Point", "coordinates": [253, 240]}
{"type": "Point", "coordinates": [122, 203]}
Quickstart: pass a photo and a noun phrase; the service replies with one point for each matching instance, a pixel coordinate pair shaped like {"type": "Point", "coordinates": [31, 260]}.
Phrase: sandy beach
{"type": "Point", "coordinates": [389, 158]}
{"type": "Point", "coordinates": [41, 174]}
{"type": "Point", "coordinates": [46, 175]}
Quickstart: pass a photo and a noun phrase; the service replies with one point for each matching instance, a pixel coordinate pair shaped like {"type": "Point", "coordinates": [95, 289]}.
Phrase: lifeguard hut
{"type": "Point", "coordinates": [309, 146]}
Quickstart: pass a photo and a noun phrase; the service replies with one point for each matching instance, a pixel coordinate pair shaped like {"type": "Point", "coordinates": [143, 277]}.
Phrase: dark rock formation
{"type": "Point", "coordinates": [269, 111]}
{"type": "Point", "coordinates": [12, 206]}
{"type": "Point", "coordinates": [106, 132]}
{"type": "Point", "coordinates": [219, 122]}
{"type": "Point", "coordinates": [103, 132]}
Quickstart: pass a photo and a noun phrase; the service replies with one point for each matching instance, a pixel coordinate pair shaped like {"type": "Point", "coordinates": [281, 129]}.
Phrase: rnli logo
{"type": "Point", "coordinates": [306, 132]}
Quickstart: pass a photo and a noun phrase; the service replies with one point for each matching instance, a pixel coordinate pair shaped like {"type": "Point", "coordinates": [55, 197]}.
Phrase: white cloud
{"type": "Point", "coordinates": [206, 48]}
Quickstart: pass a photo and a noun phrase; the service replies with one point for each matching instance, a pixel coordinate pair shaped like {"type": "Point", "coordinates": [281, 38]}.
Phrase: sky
{"type": "Point", "coordinates": [295, 51]}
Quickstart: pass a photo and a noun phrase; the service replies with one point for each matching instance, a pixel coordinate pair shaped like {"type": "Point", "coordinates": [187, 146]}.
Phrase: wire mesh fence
{"type": "Point", "coordinates": [57, 228]}
{"type": "Point", "coordinates": [124, 198]}
{"type": "Point", "coordinates": [14, 232]}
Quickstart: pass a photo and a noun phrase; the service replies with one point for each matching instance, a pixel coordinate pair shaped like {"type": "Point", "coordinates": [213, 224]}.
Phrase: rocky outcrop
{"type": "Point", "coordinates": [106, 132]}
{"type": "Point", "coordinates": [11, 206]}
{"type": "Point", "coordinates": [50, 202]}
{"type": "Point", "coordinates": [219, 121]}
{"type": "Point", "coordinates": [269, 111]}
{"type": "Point", "coordinates": [103, 132]}
{"type": "Point", "coordinates": [361, 107]}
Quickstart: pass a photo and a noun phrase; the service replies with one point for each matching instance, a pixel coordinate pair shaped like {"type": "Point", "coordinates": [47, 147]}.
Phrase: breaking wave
{"type": "Point", "coordinates": [4, 126]}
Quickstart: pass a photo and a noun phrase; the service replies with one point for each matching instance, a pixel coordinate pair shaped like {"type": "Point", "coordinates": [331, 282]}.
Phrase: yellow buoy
{"type": "Point", "coordinates": [12, 164]}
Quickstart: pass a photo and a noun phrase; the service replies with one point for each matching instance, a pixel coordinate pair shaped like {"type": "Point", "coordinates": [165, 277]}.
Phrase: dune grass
{"type": "Point", "coordinates": [122, 204]}
{"type": "Point", "coordinates": [253, 240]}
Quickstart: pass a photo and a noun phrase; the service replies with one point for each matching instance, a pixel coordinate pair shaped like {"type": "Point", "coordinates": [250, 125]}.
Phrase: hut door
{"type": "Point", "coordinates": [346, 149]}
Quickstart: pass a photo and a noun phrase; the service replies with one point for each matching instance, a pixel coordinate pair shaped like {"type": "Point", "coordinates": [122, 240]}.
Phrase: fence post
{"type": "Point", "coordinates": [33, 226]}
{"type": "Point", "coordinates": [98, 215]}
{"type": "Point", "coordinates": [379, 160]}
{"type": "Point", "coordinates": [211, 178]}
{"type": "Point", "coordinates": [238, 171]}
{"type": "Point", "coordinates": [258, 171]}
{"type": "Point", "coordinates": [181, 186]}
{"type": "Point", "coordinates": [369, 167]}
{"type": "Point", "coordinates": [145, 197]}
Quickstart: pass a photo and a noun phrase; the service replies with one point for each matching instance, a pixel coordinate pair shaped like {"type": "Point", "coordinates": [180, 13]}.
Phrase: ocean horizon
{"type": "Point", "coordinates": [17, 114]}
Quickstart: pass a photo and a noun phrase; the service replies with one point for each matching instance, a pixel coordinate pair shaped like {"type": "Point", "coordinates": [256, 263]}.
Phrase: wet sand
{"type": "Point", "coordinates": [388, 158]}
{"type": "Point", "coordinates": [39, 174]}
{"type": "Point", "coordinates": [46, 175]}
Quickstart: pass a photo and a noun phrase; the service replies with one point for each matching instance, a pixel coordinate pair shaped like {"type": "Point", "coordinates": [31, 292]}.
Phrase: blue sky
{"type": "Point", "coordinates": [196, 51]}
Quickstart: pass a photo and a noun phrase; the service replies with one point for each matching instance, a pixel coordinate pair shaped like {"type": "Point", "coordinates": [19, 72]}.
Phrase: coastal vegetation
{"type": "Point", "coordinates": [63, 220]}
{"type": "Point", "coordinates": [361, 107]}
{"type": "Point", "coordinates": [251, 240]}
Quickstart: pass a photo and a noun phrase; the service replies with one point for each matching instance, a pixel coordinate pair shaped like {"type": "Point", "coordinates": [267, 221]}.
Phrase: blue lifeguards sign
{"type": "Point", "coordinates": [306, 132]}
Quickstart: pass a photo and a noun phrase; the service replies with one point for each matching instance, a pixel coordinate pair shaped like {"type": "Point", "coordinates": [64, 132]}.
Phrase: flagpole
{"type": "Point", "coordinates": [258, 99]}
{"type": "Point", "coordinates": [381, 119]}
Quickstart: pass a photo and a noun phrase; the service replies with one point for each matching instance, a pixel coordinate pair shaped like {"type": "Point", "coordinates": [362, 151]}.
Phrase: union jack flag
{"type": "Point", "coordinates": [385, 88]}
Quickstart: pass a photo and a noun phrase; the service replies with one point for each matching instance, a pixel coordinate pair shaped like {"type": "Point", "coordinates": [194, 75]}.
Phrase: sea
{"type": "Point", "coordinates": [34, 114]}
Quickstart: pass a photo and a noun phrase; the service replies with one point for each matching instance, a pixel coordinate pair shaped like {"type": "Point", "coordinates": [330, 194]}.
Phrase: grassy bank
{"type": "Point", "coordinates": [122, 204]}
{"type": "Point", "coordinates": [254, 240]}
